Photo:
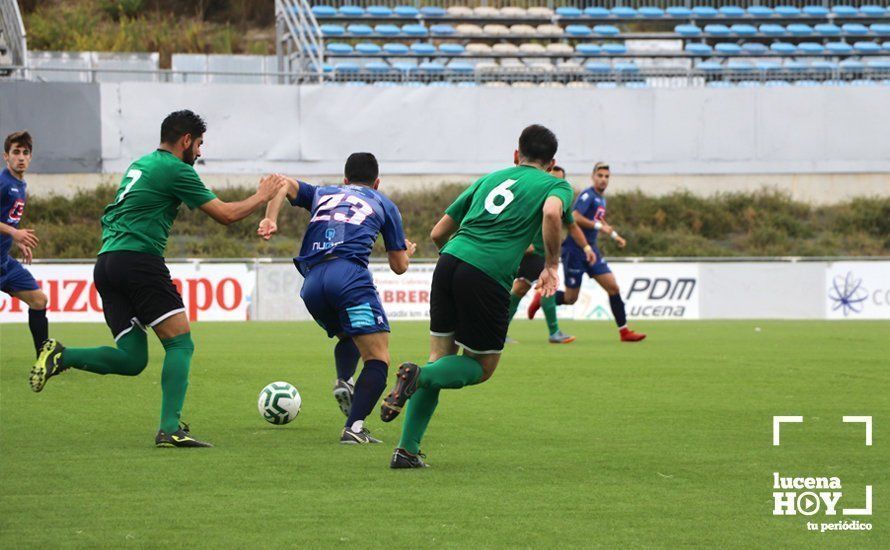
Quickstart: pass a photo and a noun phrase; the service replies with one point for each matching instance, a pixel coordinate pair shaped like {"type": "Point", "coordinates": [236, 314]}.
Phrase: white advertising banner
{"type": "Point", "coordinates": [857, 290]}
{"type": "Point", "coordinates": [404, 296]}
{"type": "Point", "coordinates": [211, 292]}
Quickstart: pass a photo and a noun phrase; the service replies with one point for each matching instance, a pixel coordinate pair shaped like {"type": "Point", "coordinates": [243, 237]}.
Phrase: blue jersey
{"type": "Point", "coordinates": [345, 222]}
{"type": "Point", "coordinates": [592, 206]}
{"type": "Point", "coordinates": [12, 206]}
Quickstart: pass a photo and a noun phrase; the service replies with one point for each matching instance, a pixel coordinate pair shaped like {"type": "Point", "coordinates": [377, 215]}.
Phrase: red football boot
{"type": "Point", "coordinates": [534, 306]}
{"type": "Point", "coordinates": [628, 335]}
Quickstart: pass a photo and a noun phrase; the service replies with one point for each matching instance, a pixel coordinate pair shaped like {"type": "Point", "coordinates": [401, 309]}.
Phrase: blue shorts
{"type": "Point", "coordinates": [342, 298]}
{"type": "Point", "coordinates": [14, 277]}
{"type": "Point", "coordinates": [574, 265]}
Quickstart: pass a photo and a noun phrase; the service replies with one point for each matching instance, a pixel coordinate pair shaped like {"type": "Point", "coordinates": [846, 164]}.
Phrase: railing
{"type": "Point", "coordinates": [581, 4]}
{"type": "Point", "coordinates": [298, 39]}
{"type": "Point", "coordinates": [14, 31]}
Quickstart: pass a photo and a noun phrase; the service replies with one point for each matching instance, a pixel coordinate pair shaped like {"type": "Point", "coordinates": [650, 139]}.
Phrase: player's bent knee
{"type": "Point", "coordinates": [39, 301]}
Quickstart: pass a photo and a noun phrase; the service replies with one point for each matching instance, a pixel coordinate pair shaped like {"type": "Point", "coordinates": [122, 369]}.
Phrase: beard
{"type": "Point", "coordinates": [189, 157]}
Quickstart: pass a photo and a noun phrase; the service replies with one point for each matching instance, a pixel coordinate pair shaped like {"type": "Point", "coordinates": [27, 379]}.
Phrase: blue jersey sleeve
{"type": "Point", "coordinates": [392, 230]}
{"type": "Point", "coordinates": [582, 205]}
{"type": "Point", "coordinates": [305, 195]}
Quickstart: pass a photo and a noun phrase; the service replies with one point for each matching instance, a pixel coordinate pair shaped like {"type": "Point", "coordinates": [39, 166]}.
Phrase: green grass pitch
{"type": "Point", "coordinates": [661, 444]}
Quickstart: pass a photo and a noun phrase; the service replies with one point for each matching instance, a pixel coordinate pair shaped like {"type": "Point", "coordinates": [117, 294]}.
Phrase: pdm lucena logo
{"type": "Point", "coordinates": [847, 294]}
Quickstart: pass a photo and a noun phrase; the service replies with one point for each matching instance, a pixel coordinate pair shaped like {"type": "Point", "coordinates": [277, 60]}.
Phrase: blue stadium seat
{"type": "Point", "coordinates": [839, 48]}
{"type": "Point", "coordinates": [347, 67]}
{"type": "Point", "coordinates": [760, 12]}
{"type": "Point", "coordinates": [767, 66]}
{"type": "Point", "coordinates": [378, 67]}
{"type": "Point", "coordinates": [705, 11]}
{"type": "Point", "coordinates": [332, 30]}
{"type": "Point", "coordinates": [415, 29]}
{"type": "Point", "coordinates": [461, 67]}
{"type": "Point", "coordinates": [395, 48]}
{"type": "Point", "coordinates": [776, 84]}
{"type": "Point", "coordinates": [597, 67]}
{"type": "Point", "coordinates": [588, 49]}
{"type": "Point", "coordinates": [787, 11]}
{"type": "Point", "coordinates": [744, 30]}
{"type": "Point", "coordinates": [855, 29]}
{"type": "Point", "coordinates": [811, 47]}
{"type": "Point", "coordinates": [597, 12]}
{"type": "Point", "coordinates": [637, 84]}
{"type": "Point", "coordinates": [431, 67]}
{"type": "Point", "coordinates": [324, 11]}
{"type": "Point", "coordinates": [606, 85]}
{"type": "Point", "coordinates": [878, 65]}
{"type": "Point", "coordinates": [867, 47]}
{"type": "Point", "coordinates": [749, 84]}
{"type": "Point", "coordinates": [739, 66]}
{"type": "Point", "coordinates": [338, 48]}
{"type": "Point", "coordinates": [727, 48]}
{"type": "Point", "coordinates": [606, 30]}
{"type": "Point", "coordinates": [709, 66]}
{"type": "Point", "coordinates": [732, 11]}
{"type": "Point", "coordinates": [719, 84]}
{"type": "Point", "coordinates": [385, 84]}
{"type": "Point", "coordinates": [359, 30]}
{"type": "Point", "coordinates": [433, 11]}
{"type": "Point", "coordinates": [815, 11]}
{"type": "Point", "coordinates": [379, 11]}
{"type": "Point", "coordinates": [578, 30]}
{"type": "Point", "coordinates": [771, 29]}
{"type": "Point", "coordinates": [695, 48]}
{"type": "Point", "coordinates": [873, 11]}
{"type": "Point", "coordinates": [881, 29]}
{"type": "Point", "coordinates": [441, 84]}
{"type": "Point", "coordinates": [800, 29]}
{"type": "Point", "coordinates": [466, 84]}
{"type": "Point", "coordinates": [405, 66]}
{"type": "Point", "coordinates": [679, 12]}
{"type": "Point", "coordinates": [824, 66]}
{"type": "Point", "coordinates": [568, 12]}
{"type": "Point", "coordinates": [368, 48]}
{"type": "Point", "coordinates": [828, 29]}
{"type": "Point", "coordinates": [852, 65]}
{"type": "Point", "coordinates": [406, 11]}
{"type": "Point", "coordinates": [783, 48]}
{"type": "Point", "coordinates": [651, 12]}
{"type": "Point", "coordinates": [844, 11]}
{"type": "Point", "coordinates": [687, 30]}
{"type": "Point", "coordinates": [614, 48]}
{"type": "Point", "coordinates": [387, 30]}
{"type": "Point", "coordinates": [807, 83]}
{"type": "Point", "coordinates": [625, 67]}
{"type": "Point", "coordinates": [351, 11]}
{"type": "Point", "coordinates": [886, 46]}
{"type": "Point", "coordinates": [423, 48]}
{"type": "Point", "coordinates": [624, 12]}
{"type": "Point", "coordinates": [864, 82]}
{"type": "Point", "coordinates": [355, 83]}
{"type": "Point", "coordinates": [442, 30]}
{"type": "Point", "coordinates": [717, 30]}
{"type": "Point", "coordinates": [451, 48]}
{"type": "Point", "coordinates": [796, 66]}
{"type": "Point", "coordinates": [755, 48]}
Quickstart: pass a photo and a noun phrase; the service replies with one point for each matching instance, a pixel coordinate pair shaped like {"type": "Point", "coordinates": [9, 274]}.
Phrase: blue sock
{"type": "Point", "coordinates": [369, 387]}
{"type": "Point", "coordinates": [560, 297]}
{"type": "Point", "coordinates": [617, 305]}
{"type": "Point", "coordinates": [346, 356]}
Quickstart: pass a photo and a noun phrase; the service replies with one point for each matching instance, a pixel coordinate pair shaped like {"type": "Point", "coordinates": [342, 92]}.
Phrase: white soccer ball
{"type": "Point", "coordinates": [279, 403]}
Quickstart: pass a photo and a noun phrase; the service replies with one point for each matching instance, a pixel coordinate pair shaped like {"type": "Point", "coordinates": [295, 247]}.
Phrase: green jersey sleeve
{"type": "Point", "coordinates": [189, 188]}
{"type": "Point", "coordinates": [563, 191]}
{"type": "Point", "coordinates": [461, 204]}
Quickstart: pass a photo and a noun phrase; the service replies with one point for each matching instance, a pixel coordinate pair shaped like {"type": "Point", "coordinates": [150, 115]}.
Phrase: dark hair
{"type": "Point", "coordinates": [20, 138]}
{"type": "Point", "coordinates": [537, 144]}
{"type": "Point", "coordinates": [361, 168]}
{"type": "Point", "coordinates": [558, 167]}
{"type": "Point", "coordinates": [180, 123]}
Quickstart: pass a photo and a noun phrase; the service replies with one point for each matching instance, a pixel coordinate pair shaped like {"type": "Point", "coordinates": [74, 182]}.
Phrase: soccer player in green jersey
{"type": "Point", "coordinates": [133, 280]}
{"type": "Point", "coordinates": [481, 239]}
{"type": "Point", "coordinates": [530, 269]}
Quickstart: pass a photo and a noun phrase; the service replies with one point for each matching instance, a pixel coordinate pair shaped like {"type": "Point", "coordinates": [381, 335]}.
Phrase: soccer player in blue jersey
{"type": "Point", "coordinates": [15, 280]}
{"type": "Point", "coordinates": [590, 215]}
{"type": "Point", "coordinates": [338, 289]}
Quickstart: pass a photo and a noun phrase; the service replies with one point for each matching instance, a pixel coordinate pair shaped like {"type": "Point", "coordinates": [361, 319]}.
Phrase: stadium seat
{"type": "Point", "coordinates": [460, 11]}
{"type": "Point", "coordinates": [783, 48]}
{"type": "Point", "coordinates": [338, 48]}
{"type": "Point", "coordinates": [800, 29]}
{"type": "Point", "coordinates": [844, 11]}
{"type": "Point", "coordinates": [719, 84]}
{"type": "Point", "coordinates": [351, 11]}
{"type": "Point", "coordinates": [867, 47]}
{"type": "Point", "coordinates": [588, 49]}
{"type": "Point", "coordinates": [855, 29]}
{"type": "Point", "coordinates": [828, 29]}
{"type": "Point", "coordinates": [551, 84]}
{"type": "Point", "coordinates": [423, 48]}
{"type": "Point", "coordinates": [597, 67]}
{"type": "Point", "coordinates": [824, 66]}
{"type": "Point", "coordinates": [852, 65]}
{"type": "Point", "coordinates": [717, 30]}
{"type": "Point", "coordinates": [760, 12]}
{"type": "Point", "coordinates": [478, 48]}
{"type": "Point", "coordinates": [485, 11]}
{"type": "Point", "coordinates": [466, 84]}
{"type": "Point", "coordinates": [415, 29]}
{"type": "Point", "coordinates": [431, 67]}
{"type": "Point", "coordinates": [379, 11]}
{"type": "Point", "coordinates": [509, 49]}
{"type": "Point", "coordinates": [770, 29]}
{"type": "Point", "coordinates": [727, 48]}
{"type": "Point", "coordinates": [597, 12]}
{"type": "Point", "coordinates": [732, 11]}
{"type": "Point", "coordinates": [613, 48]}
{"type": "Point", "coordinates": [651, 12]}
{"type": "Point", "coordinates": [878, 65]}
{"type": "Point", "coordinates": [406, 11]}
{"type": "Point", "coordinates": [568, 67]}
{"type": "Point", "coordinates": [626, 67]}
{"type": "Point", "coordinates": [578, 84]}
{"type": "Point", "coordinates": [796, 66]}
{"type": "Point", "coordinates": [523, 30]}
{"type": "Point", "coordinates": [863, 82]}
{"type": "Point", "coordinates": [385, 84]}
{"type": "Point", "coordinates": [839, 48]}
{"type": "Point", "coordinates": [568, 12]}
{"type": "Point", "coordinates": [881, 29]}
{"type": "Point", "coordinates": [551, 30]}
{"type": "Point", "coordinates": [461, 67]}
{"type": "Point", "coordinates": [709, 66]}
{"type": "Point", "coordinates": [450, 48]}
{"type": "Point", "coordinates": [743, 30]}
{"type": "Point", "coordinates": [332, 30]}
{"type": "Point", "coordinates": [739, 66]}
{"type": "Point", "coordinates": [513, 11]}
{"type": "Point", "coordinates": [811, 47]}
{"type": "Point", "coordinates": [442, 30]}
{"type": "Point", "coordinates": [355, 84]}
{"type": "Point", "coordinates": [748, 84]}
{"type": "Point", "coordinates": [469, 29]}
{"type": "Point", "coordinates": [624, 12]}
{"type": "Point", "coordinates": [378, 67]}
{"type": "Point", "coordinates": [873, 11]}
{"type": "Point", "coordinates": [755, 48]}
{"type": "Point", "coordinates": [540, 12]}
{"type": "Point", "coordinates": [405, 66]}
{"type": "Point", "coordinates": [679, 12]}
{"type": "Point", "coordinates": [532, 48]}
{"type": "Point", "coordinates": [433, 11]}
{"type": "Point", "coordinates": [387, 30]}
{"type": "Point", "coordinates": [705, 11]}
{"type": "Point", "coordinates": [637, 84]}
{"type": "Point", "coordinates": [578, 30]}
{"type": "Point", "coordinates": [695, 48]}
{"type": "Point", "coordinates": [368, 48]}
{"type": "Point", "coordinates": [807, 83]}
{"type": "Point", "coordinates": [787, 11]}
{"type": "Point", "coordinates": [606, 30]}
{"type": "Point", "coordinates": [560, 48]}
{"type": "Point", "coordinates": [324, 11]}
{"type": "Point", "coordinates": [886, 46]}
{"type": "Point", "coordinates": [776, 83]}
{"type": "Point", "coordinates": [767, 66]}
{"type": "Point", "coordinates": [347, 67]}
{"type": "Point", "coordinates": [359, 30]}
{"type": "Point", "coordinates": [495, 29]}
{"type": "Point", "coordinates": [815, 11]}
{"type": "Point", "coordinates": [395, 48]}
{"type": "Point", "coordinates": [688, 30]}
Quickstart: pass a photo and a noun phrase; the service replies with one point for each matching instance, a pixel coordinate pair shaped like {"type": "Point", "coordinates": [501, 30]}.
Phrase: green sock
{"type": "Point", "coordinates": [514, 305]}
{"type": "Point", "coordinates": [175, 379]}
{"type": "Point", "coordinates": [420, 410]}
{"type": "Point", "coordinates": [128, 359]}
{"type": "Point", "coordinates": [549, 307]}
{"type": "Point", "coordinates": [452, 372]}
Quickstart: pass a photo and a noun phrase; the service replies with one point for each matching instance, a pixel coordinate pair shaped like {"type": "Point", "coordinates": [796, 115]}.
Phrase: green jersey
{"type": "Point", "coordinates": [147, 201]}
{"type": "Point", "coordinates": [500, 215]}
{"type": "Point", "coordinates": [538, 241]}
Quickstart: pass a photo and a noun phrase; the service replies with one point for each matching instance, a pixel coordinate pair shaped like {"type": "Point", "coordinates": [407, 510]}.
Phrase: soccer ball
{"type": "Point", "coordinates": [279, 403]}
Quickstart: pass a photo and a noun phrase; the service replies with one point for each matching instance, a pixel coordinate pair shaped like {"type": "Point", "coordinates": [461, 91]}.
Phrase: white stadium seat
{"type": "Point", "coordinates": [550, 30]}
{"type": "Point", "coordinates": [478, 48]}
{"type": "Point", "coordinates": [460, 11]}
{"type": "Point", "coordinates": [505, 48]}
{"type": "Point", "coordinates": [513, 11]}
{"type": "Point", "coordinates": [469, 29]}
{"type": "Point", "coordinates": [540, 12]}
{"type": "Point", "coordinates": [495, 29]}
{"type": "Point", "coordinates": [485, 11]}
{"type": "Point", "coordinates": [533, 48]}
{"type": "Point", "coordinates": [559, 47]}
{"type": "Point", "coordinates": [523, 30]}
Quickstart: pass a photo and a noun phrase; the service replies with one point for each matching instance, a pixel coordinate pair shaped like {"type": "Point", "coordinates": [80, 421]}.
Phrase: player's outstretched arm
{"type": "Point", "coordinates": [444, 229]}
{"type": "Point", "coordinates": [230, 212]}
{"type": "Point", "coordinates": [581, 240]}
{"type": "Point", "coordinates": [400, 259]}
{"type": "Point", "coordinates": [551, 229]}
{"type": "Point", "coordinates": [269, 224]}
{"type": "Point", "coordinates": [25, 237]}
